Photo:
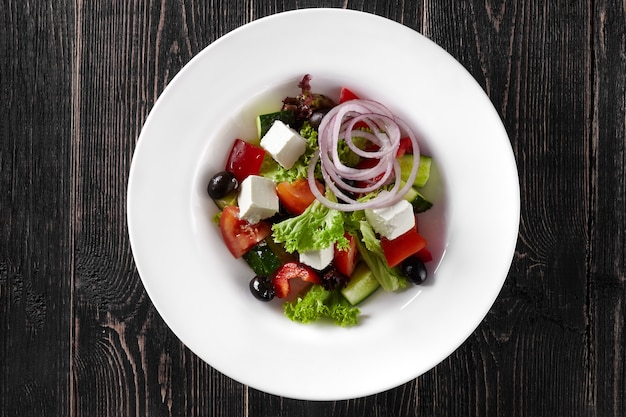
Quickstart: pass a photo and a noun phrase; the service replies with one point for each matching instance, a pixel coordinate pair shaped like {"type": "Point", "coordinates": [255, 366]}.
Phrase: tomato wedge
{"type": "Point", "coordinates": [240, 235]}
{"type": "Point", "coordinates": [244, 159]}
{"type": "Point", "coordinates": [345, 260]}
{"type": "Point", "coordinates": [291, 270]}
{"type": "Point", "coordinates": [296, 196]}
{"type": "Point", "coordinates": [400, 248]}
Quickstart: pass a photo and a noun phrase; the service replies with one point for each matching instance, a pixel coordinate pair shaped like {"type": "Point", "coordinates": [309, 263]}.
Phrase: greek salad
{"type": "Point", "coordinates": [328, 195]}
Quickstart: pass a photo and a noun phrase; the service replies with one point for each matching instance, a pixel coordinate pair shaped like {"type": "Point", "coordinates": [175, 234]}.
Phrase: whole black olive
{"type": "Point", "coordinates": [414, 269]}
{"type": "Point", "coordinates": [262, 288]}
{"type": "Point", "coordinates": [316, 117]}
{"type": "Point", "coordinates": [221, 184]}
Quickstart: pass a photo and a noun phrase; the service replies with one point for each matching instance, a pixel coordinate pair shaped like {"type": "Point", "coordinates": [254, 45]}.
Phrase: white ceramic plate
{"type": "Point", "coordinates": [202, 292]}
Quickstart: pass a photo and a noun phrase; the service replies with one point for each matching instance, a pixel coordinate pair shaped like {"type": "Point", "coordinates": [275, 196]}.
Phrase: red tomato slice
{"type": "Point", "coordinates": [296, 196]}
{"type": "Point", "coordinates": [400, 248]}
{"type": "Point", "coordinates": [291, 270]}
{"type": "Point", "coordinates": [244, 159]}
{"type": "Point", "coordinates": [239, 235]}
{"type": "Point", "coordinates": [345, 95]}
{"type": "Point", "coordinates": [345, 260]}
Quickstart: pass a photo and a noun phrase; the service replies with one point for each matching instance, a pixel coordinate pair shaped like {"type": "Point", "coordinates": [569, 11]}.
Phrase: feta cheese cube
{"type": "Point", "coordinates": [284, 144]}
{"type": "Point", "coordinates": [393, 221]}
{"type": "Point", "coordinates": [257, 199]}
{"type": "Point", "coordinates": [318, 259]}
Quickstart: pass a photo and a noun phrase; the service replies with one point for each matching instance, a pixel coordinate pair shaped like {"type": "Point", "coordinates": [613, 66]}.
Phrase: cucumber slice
{"type": "Point", "coordinates": [411, 194]}
{"type": "Point", "coordinates": [265, 121]}
{"type": "Point", "coordinates": [262, 259]}
{"type": "Point", "coordinates": [229, 199]}
{"type": "Point", "coordinates": [423, 172]}
{"type": "Point", "coordinates": [418, 201]}
{"type": "Point", "coordinates": [361, 285]}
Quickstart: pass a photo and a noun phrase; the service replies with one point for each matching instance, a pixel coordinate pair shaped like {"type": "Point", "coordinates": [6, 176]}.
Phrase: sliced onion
{"type": "Point", "coordinates": [338, 126]}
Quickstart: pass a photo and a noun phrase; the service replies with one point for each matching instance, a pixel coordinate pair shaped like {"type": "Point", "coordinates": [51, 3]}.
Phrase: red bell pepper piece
{"type": "Point", "coordinates": [400, 248]}
{"type": "Point", "coordinates": [291, 270]}
{"type": "Point", "coordinates": [244, 159]}
{"type": "Point", "coordinates": [345, 94]}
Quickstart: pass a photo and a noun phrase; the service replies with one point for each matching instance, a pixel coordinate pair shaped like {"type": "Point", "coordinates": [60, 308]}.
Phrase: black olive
{"type": "Point", "coordinates": [414, 269]}
{"type": "Point", "coordinates": [262, 288]}
{"type": "Point", "coordinates": [331, 278]}
{"type": "Point", "coordinates": [221, 184]}
{"type": "Point", "coordinates": [316, 117]}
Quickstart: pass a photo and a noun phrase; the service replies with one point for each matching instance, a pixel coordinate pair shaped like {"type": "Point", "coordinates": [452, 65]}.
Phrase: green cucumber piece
{"type": "Point", "coordinates": [423, 172]}
{"type": "Point", "coordinates": [280, 252]}
{"type": "Point", "coordinates": [262, 259]}
{"type": "Point", "coordinates": [418, 201]}
{"type": "Point", "coordinates": [265, 121]}
{"type": "Point", "coordinates": [362, 284]}
{"type": "Point", "coordinates": [229, 199]}
{"type": "Point", "coordinates": [411, 194]}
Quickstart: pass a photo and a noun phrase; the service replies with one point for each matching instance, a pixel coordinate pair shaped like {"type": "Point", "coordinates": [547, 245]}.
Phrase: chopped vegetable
{"type": "Point", "coordinates": [345, 259]}
{"type": "Point", "coordinates": [400, 248]}
{"type": "Point", "coordinates": [244, 159]}
{"type": "Point", "coordinates": [262, 259]}
{"type": "Point", "coordinates": [240, 235]}
{"type": "Point", "coordinates": [296, 196]}
{"type": "Point", "coordinates": [289, 271]}
{"type": "Point", "coordinates": [389, 278]}
{"type": "Point", "coordinates": [346, 94]}
{"type": "Point", "coordinates": [265, 121]}
{"type": "Point", "coordinates": [319, 303]}
{"type": "Point", "coordinates": [423, 171]}
{"type": "Point", "coordinates": [362, 285]}
{"type": "Point", "coordinates": [316, 228]}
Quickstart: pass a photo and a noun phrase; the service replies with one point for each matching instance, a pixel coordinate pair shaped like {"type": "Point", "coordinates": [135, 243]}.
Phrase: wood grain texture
{"type": "Point", "coordinates": [127, 361]}
{"type": "Point", "coordinates": [80, 337]}
{"type": "Point", "coordinates": [35, 261]}
{"type": "Point", "coordinates": [607, 225]}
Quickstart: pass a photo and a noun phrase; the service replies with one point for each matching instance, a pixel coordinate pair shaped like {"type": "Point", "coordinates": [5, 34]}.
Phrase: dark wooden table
{"type": "Point", "coordinates": [79, 335]}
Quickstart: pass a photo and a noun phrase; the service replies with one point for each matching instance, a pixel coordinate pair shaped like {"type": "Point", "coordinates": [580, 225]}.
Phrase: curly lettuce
{"type": "Point", "coordinates": [319, 303]}
{"type": "Point", "coordinates": [318, 227]}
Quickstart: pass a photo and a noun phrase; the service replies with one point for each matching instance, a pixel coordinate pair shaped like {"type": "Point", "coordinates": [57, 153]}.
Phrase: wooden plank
{"type": "Point", "coordinates": [607, 223]}
{"type": "Point", "coordinates": [35, 179]}
{"type": "Point", "coordinates": [529, 357]}
{"type": "Point", "coordinates": [127, 361]}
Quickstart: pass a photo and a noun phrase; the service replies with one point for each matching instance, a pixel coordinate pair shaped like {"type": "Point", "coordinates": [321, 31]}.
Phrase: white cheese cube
{"type": "Point", "coordinates": [257, 199]}
{"type": "Point", "coordinates": [392, 221]}
{"type": "Point", "coordinates": [284, 144]}
{"type": "Point", "coordinates": [318, 259]}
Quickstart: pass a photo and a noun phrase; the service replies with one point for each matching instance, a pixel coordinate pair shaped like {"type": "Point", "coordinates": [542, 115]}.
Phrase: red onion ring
{"type": "Point", "coordinates": [337, 126]}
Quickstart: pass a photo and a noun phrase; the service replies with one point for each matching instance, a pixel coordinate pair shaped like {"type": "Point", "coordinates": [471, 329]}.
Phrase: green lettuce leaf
{"type": "Point", "coordinates": [317, 228]}
{"type": "Point", "coordinates": [319, 303]}
{"type": "Point", "coordinates": [369, 247]}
